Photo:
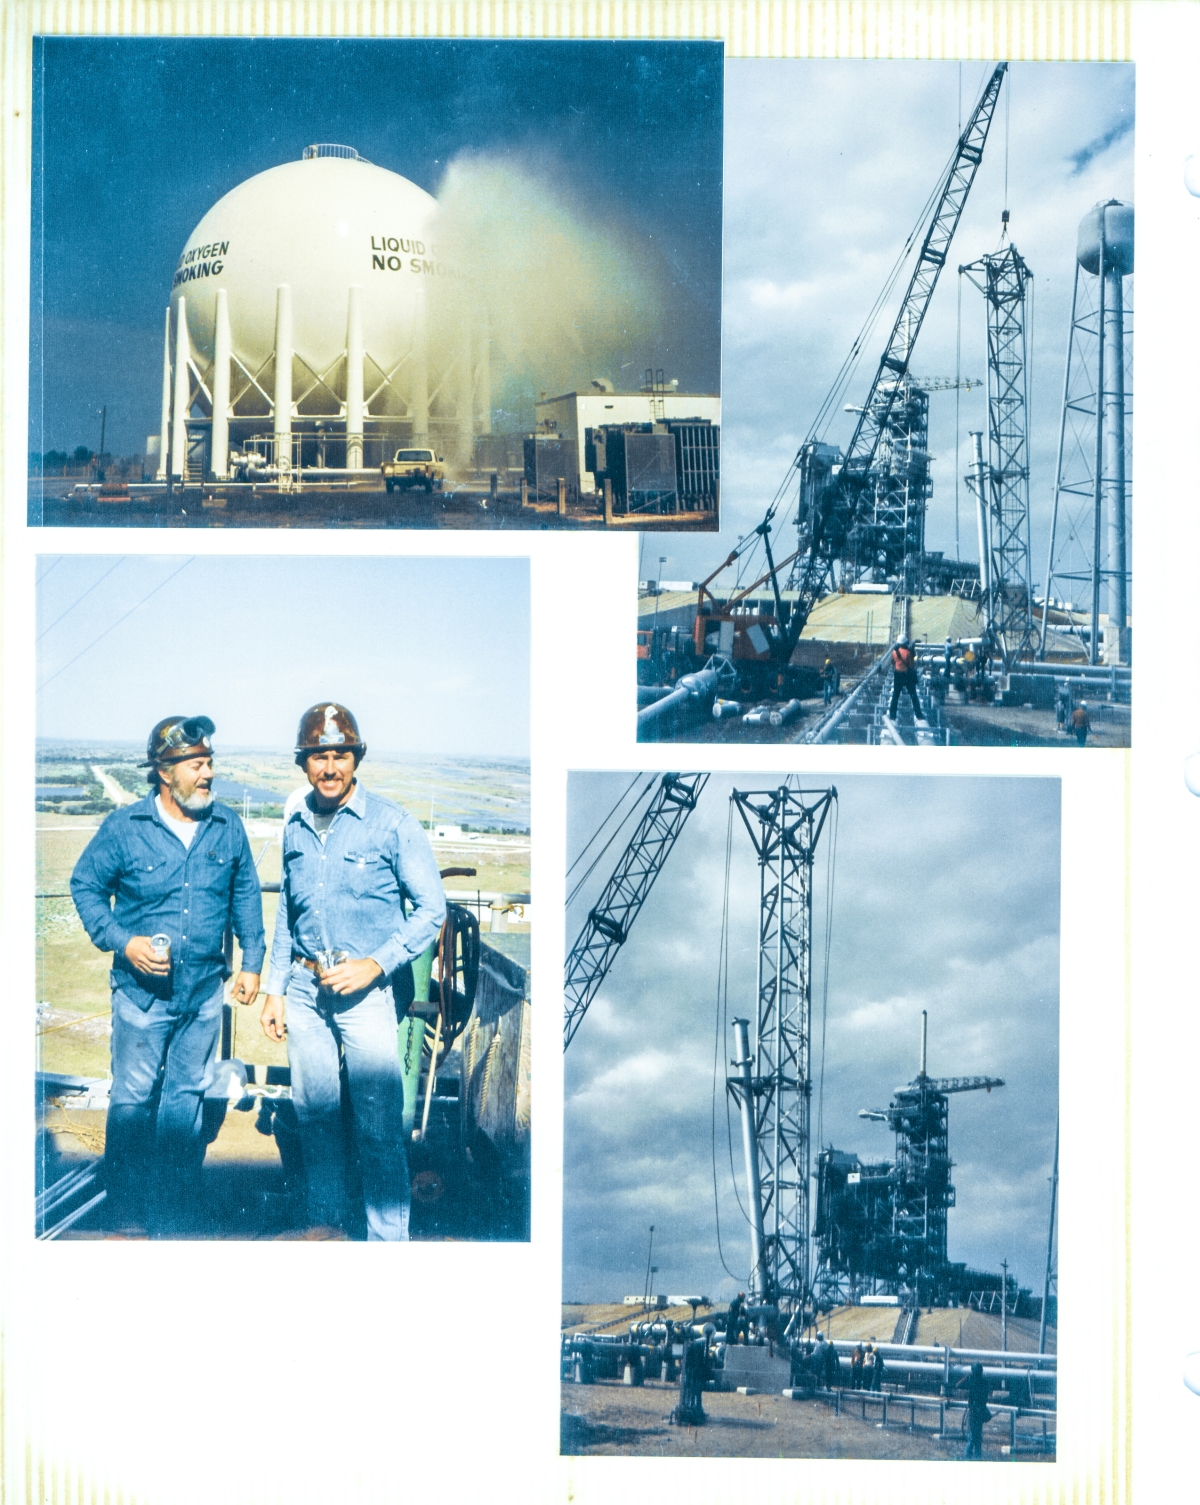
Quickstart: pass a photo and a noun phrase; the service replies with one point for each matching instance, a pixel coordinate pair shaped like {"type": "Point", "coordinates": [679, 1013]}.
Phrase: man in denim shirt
{"type": "Point", "coordinates": [361, 895]}
{"type": "Point", "coordinates": [178, 865]}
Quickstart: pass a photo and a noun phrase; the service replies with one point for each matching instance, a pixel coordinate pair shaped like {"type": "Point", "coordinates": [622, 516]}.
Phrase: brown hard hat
{"type": "Point", "coordinates": [177, 738]}
{"type": "Point", "coordinates": [328, 727]}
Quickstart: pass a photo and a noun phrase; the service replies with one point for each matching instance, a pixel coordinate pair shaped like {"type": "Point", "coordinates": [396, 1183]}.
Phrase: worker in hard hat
{"type": "Point", "coordinates": [361, 896]}
{"type": "Point", "coordinates": [829, 681]}
{"type": "Point", "coordinates": [904, 677]}
{"type": "Point", "coordinates": [1081, 723]}
{"type": "Point", "coordinates": [159, 885]}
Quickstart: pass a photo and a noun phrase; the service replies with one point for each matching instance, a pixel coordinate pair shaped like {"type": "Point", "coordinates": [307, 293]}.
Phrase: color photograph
{"type": "Point", "coordinates": [283, 941]}
{"type": "Point", "coordinates": [811, 1117]}
{"type": "Point", "coordinates": [390, 283]}
{"type": "Point", "coordinates": [928, 322]}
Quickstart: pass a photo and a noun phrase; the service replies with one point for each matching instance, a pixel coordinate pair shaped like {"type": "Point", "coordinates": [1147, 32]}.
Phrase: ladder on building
{"type": "Point", "coordinates": [197, 453]}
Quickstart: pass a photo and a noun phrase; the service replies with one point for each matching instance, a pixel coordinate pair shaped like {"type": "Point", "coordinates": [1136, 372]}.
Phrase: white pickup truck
{"type": "Point", "coordinates": [413, 467]}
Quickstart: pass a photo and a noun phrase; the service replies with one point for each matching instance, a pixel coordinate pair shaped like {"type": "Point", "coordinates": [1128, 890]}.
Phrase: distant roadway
{"type": "Point", "coordinates": [114, 791]}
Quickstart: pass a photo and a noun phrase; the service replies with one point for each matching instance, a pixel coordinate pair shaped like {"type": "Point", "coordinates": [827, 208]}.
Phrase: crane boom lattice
{"type": "Point", "coordinates": [785, 825]}
{"type": "Point", "coordinates": [831, 508]}
{"type": "Point", "coordinates": [610, 918]}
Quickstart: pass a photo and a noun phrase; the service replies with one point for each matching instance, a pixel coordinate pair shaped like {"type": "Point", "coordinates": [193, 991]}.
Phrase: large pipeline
{"type": "Point", "coordinates": [953, 1372]}
{"type": "Point", "coordinates": [692, 688]}
{"type": "Point", "coordinates": [938, 1351]}
{"type": "Point", "coordinates": [679, 696]}
{"type": "Point", "coordinates": [820, 732]}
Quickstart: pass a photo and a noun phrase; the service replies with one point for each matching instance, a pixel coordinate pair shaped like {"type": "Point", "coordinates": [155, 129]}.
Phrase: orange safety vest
{"type": "Point", "coordinates": [902, 660]}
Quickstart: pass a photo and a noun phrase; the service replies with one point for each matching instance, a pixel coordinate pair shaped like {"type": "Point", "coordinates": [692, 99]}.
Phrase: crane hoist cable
{"type": "Point", "coordinates": [574, 894]}
{"type": "Point", "coordinates": [720, 1033]}
{"type": "Point", "coordinates": [830, 876]}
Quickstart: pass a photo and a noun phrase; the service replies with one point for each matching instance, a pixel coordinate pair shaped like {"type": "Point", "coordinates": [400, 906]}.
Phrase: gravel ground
{"type": "Point", "coordinates": [611, 1419]}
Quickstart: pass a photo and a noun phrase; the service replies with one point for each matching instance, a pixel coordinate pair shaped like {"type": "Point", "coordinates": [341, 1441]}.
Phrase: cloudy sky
{"type": "Point", "coordinates": [946, 898]}
{"type": "Point", "coordinates": [431, 654]}
{"type": "Point", "coordinates": [827, 166]}
{"type": "Point", "coordinates": [136, 138]}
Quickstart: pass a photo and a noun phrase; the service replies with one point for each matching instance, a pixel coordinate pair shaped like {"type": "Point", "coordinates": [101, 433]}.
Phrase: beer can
{"type": "Point", "coordinates": [327, 960]}
{"type": "Point", "coordinates": [161, 946]}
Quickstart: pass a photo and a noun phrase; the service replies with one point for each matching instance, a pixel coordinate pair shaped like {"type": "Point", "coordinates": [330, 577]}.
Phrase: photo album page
{"type": "Point", "coordinates": [567, 638]}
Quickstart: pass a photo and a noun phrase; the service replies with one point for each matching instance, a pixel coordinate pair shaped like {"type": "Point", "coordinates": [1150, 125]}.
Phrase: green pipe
{"type": "Point", "coordinates": [411, 1038]}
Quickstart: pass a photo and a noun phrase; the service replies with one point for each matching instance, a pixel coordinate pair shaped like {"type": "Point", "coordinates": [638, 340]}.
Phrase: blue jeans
{"type": "Point", "coordinates": [906, 682]}
{"type": "Point", "coordinates": [162, 1065]}
{"type": "Point", "coordinates": [364, 1025]}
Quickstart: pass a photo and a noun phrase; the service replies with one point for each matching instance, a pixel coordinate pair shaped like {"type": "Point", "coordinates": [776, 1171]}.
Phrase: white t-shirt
{"type": "Point", "coordinates": [184, 829]}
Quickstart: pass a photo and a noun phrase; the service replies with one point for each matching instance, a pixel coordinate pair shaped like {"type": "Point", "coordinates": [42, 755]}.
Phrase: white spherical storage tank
{"type": "Point", "coordinates": [299, 320]}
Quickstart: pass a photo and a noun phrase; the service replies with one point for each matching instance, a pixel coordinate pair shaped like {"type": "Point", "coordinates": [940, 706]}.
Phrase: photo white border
{"type": "Point", "coordinates": [123, 1377]}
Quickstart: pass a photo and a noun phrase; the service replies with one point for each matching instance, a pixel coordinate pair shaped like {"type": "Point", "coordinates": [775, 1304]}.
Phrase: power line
{"type": "Point", "coordinates": [78, 599]}
{"type": "Point", "coordinates": [114, 626]}
{"type": "Point", "coordinates": [603, 823]}
{"type": "Point", "coordinates": [574, 894]}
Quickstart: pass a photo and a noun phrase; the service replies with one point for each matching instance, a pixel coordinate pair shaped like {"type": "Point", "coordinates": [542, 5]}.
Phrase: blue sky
{"type": "Point", "coordinates": [946, 898]}
{"type": "Point", "coordinates": [136, 138]}
{"type": "Point", "coordinates": [432, 655]}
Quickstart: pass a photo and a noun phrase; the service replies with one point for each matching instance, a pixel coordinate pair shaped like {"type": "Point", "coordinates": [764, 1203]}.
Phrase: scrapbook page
{"type": "Point", "coordinates": [568, 610]}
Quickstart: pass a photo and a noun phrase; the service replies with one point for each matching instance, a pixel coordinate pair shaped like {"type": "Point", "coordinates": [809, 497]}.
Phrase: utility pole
{"type": "Point", "coordinates": [657, 596]}
{"type": "Point", "coordinates": [1004, 1309]}
{"type": "Point", "coordinates": [649, 1256]}
{"type": "Point", "coordinates": [100, 451]}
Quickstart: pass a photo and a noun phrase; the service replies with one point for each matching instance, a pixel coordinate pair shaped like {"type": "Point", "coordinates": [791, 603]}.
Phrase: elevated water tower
{"type": "Point", "coordinates": [1092, 457]}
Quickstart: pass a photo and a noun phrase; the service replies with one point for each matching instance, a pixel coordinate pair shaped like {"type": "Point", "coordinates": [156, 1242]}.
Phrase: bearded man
{"type": "Point", "coordinates": [160, 885]}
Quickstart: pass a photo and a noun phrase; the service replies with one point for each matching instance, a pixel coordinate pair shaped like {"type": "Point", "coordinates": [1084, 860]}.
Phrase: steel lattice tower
{"type": "Point", "coordinates": [1004, 280]}
{"type": "Point", "coordinates": [785, 825]}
